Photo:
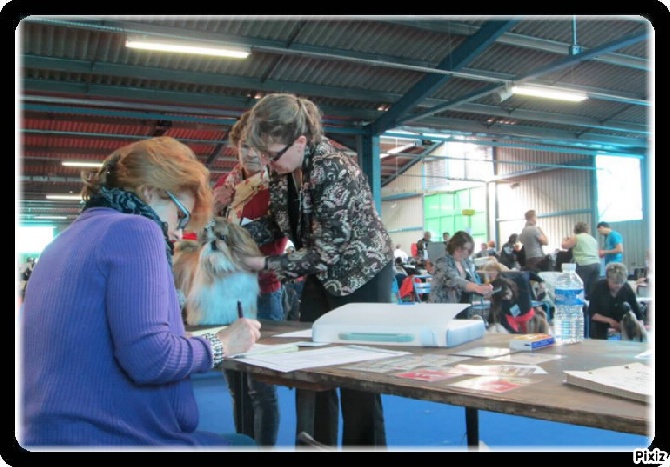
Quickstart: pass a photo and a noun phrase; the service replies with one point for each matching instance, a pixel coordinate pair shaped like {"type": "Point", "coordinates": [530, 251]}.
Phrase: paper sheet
{"type": "Point", "coordinates": [306, 333]}
{"type": "Point", "coordinates": [327, 356]}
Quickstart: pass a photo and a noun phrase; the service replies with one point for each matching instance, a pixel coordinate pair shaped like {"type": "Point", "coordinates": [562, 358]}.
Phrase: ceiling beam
{"type": "Point", "coordinates": [464, 54]}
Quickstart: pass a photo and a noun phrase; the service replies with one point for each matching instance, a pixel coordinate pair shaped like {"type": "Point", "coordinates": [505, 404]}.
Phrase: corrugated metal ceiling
{"type": "Point", "coordinates": [84, 93]}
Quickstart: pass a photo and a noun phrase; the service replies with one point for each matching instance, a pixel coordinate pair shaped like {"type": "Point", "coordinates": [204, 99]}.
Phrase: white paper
{"type": "Point", "coordinates": [304, 333]}
{"type": "Point", "coordinates": [263, 349]}
{"type": "Point", "coordinates": [327, 356]}
{"type": "Point", "coordinates": [634, 378]}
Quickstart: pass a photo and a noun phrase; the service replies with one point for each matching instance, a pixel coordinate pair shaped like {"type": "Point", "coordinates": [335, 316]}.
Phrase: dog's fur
{"type": "Point", "coordinates": [537, 324]}
{"type": "Point", "coordinates": [211, 274]}
{"type": "Point", "coordinates": [632, 329]}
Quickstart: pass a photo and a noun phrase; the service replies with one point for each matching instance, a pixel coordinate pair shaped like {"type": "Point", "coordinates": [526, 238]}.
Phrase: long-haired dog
{"type": "Point", "coordinates": [215, 279]}
{"type": "Point", "coordinates": [506, 316]}
{"type": "Point", "coordinates": [632, 329]}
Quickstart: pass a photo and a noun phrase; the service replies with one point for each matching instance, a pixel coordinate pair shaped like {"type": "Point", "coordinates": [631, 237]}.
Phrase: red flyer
{"type": "Point", "coordinates": [429, 375]}
{"type": "Point", "coordinates": [492, 383]}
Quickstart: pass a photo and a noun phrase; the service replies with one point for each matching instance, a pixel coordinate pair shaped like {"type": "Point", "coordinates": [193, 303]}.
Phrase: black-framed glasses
{"type": "Point", "coordinates": [186, 215]}
{"type": "Point", "coordinates": [277, 156]}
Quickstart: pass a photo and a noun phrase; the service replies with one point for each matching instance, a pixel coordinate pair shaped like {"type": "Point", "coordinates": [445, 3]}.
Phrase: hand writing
{"type": "Point", "coordinates": [240, 335]}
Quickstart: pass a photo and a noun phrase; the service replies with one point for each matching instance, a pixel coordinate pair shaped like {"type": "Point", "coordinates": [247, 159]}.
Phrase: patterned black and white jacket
{"type": "Point", "coordinates": [344, 241]}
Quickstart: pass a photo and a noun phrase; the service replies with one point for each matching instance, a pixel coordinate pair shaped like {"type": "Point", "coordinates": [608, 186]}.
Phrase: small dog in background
{"type": "Point", "coordinates": [632, 329]}
{"type": "Point", "coordinates": [501, 316]}
{"type": "Point", "coordinates": [218, 277]}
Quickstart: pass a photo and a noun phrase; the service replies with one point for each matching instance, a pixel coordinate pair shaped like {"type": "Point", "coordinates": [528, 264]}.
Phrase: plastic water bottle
{"type": "Point", "coordinates": [569, 318]}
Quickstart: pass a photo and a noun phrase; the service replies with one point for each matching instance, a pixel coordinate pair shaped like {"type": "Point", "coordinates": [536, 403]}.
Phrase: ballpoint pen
{"type": "Point", "coordinates": [239, 310]}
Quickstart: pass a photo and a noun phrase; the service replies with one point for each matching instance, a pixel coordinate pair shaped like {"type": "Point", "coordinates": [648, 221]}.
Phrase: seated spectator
{"type": "Point", "coordinates": [492, 249]}
{"type": "Point", "coordinates": [422, 246]}
{"type": "Point", "coordinates": [508, 252]}
{"type": "Point", "coordinates": [454, 277]}
{"type": "Point", "coordinates": [483, 250]}
{"type": "Point", "coordinates": [399, 253]}
{"type": "Point", "coordinates": [400, 272]}
{"type": "Point", "coordinates": [609, 297]}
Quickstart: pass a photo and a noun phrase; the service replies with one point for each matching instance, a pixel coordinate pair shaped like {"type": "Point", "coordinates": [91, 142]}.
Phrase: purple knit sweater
{"type": "Point", "coordinates": [104, 357]}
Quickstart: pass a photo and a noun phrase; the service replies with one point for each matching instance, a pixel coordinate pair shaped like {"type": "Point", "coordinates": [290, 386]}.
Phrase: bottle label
{"type": "Point", "coordinates": [568, 297]}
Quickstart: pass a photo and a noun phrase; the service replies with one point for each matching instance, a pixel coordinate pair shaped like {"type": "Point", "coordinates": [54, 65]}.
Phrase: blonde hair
{"type": "Point", "coordinates": [493, 265]}
{"type": "Point", "coordinates": [163, 163]}
{"type": "Point", "coordinates": [251, 159]}
{"type": "Point", "coordinates": [237, 131]}
{"type": "Point", "coordinates": [283, 118]}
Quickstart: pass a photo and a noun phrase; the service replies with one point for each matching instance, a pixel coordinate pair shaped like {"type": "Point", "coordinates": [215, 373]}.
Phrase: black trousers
{"type": "Point", "coordinates": [362, 413]}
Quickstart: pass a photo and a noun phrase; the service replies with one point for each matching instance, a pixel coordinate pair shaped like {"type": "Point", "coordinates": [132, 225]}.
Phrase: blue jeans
{"type": "Point", "coordinates": [255, 404]}
{"type": "Point", "coordinates": [270, 306]}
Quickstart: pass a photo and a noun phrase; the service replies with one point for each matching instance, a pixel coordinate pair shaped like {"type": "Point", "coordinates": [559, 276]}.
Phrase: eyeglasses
{"type": "Point", "coordinates": [277, 156]}
{"type": "Point", "coordinates": [185, 214]}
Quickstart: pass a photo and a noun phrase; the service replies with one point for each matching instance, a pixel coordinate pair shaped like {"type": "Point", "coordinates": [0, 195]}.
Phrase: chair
{"type": "Point", "coordinates": [421, 288]}
{"type": "Point", "coordinates": [395, 292]}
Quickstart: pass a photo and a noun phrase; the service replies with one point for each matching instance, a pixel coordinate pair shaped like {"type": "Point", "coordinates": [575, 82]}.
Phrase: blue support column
{"type": "Point", "coordinates": [368, 155]}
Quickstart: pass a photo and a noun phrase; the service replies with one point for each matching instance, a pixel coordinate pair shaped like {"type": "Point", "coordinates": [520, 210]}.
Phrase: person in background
{"type": "Point", "coordinates": [445, 238]}
{"type": "Point", "coordinates": [399, 253]}
{"type": "Point", "coordinates": [106, 360]}
{"type": "Point", "coordinates": [483, 250]}
{"type": "Point", "coordinates": [533, 239]}
{"type": "Point", "coordinates": [422, 247]}
{"type": "Point", "coordinates": [612, 251]}
{"type": "Point", "coordinates": [292, 291]}
{"type": "Point", "coordinates": [24, 275]}
{"type": "Point", "coordinates": [400, 272]}
{"type": "Point", "coordinates": [585, 254]}
{"type": "Point", "coordinates": [454, 278]}
{"type": "Point", "coordinates": [243, 195]}
{"type": "Point", "coordinates": [508, 252]}
{"type": "Point", "coordinates": [321, 199]}
{"type": "Point", "coordinates": [610, 298]}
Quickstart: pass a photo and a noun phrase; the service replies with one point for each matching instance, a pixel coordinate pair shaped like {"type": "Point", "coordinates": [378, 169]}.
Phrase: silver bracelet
{"type": "Point", "coordinates": [217, 348]}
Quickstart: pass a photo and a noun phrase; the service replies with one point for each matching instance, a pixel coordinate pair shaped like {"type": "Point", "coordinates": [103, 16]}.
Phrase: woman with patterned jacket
{"type": "Point", "coordinates": [321, 200]}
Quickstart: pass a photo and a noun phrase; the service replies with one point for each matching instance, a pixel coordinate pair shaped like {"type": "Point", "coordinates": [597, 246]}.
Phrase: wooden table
{"type": "Point", "coordinates": [547, 399]}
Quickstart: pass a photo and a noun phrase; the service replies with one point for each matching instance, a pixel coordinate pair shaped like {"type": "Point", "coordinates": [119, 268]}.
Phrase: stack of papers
{"type": "Point", "coordinates": [326, 356]}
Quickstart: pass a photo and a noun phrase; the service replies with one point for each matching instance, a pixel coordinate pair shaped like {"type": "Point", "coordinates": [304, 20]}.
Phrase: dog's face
{"type": "Point", "coordinates": [509, 292]}
{"type": "Point", "coordinates": [224, 247]}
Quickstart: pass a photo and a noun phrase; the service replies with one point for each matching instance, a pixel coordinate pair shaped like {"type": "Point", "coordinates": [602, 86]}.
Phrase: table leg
{"type": "Point", "coordinates": [472, 426]}
{"type": "Point", "coordinates": [305, 401]}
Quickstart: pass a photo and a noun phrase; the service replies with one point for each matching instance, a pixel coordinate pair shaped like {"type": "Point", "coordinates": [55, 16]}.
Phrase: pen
{"type": "Point", "coordinates": [239, 310]}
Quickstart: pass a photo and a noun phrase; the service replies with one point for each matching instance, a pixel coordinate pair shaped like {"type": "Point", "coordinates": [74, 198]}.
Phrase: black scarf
{"type": "Point", "coordinates": [129, 203]}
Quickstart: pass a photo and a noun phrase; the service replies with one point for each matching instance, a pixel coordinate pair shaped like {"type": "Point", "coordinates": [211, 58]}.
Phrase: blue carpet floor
{"type": "Point", "coordinates": [423, 425]}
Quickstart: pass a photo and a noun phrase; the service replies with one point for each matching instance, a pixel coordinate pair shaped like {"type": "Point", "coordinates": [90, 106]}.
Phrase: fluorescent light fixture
{"type": "Point", "coordinates": [549, 93]}
{"type": "Point", "coordinates": [64, 197]}
{"type": "Point", "coordinates": [55, 218]}
{"type": "Point", "coordinates": [81, 164]}
{"type": "Point", "coordinates": [186, 47]}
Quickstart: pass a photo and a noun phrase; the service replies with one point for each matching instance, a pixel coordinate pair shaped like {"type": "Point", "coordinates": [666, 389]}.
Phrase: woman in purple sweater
{"type": "Point", "coordinates": [105, 357]}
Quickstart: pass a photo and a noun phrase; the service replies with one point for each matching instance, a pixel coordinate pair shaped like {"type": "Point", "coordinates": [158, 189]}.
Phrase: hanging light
{"type": "Point", "coordinates": [186, 47]}
{"type": "Point", "coordinates": [549, 93]}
